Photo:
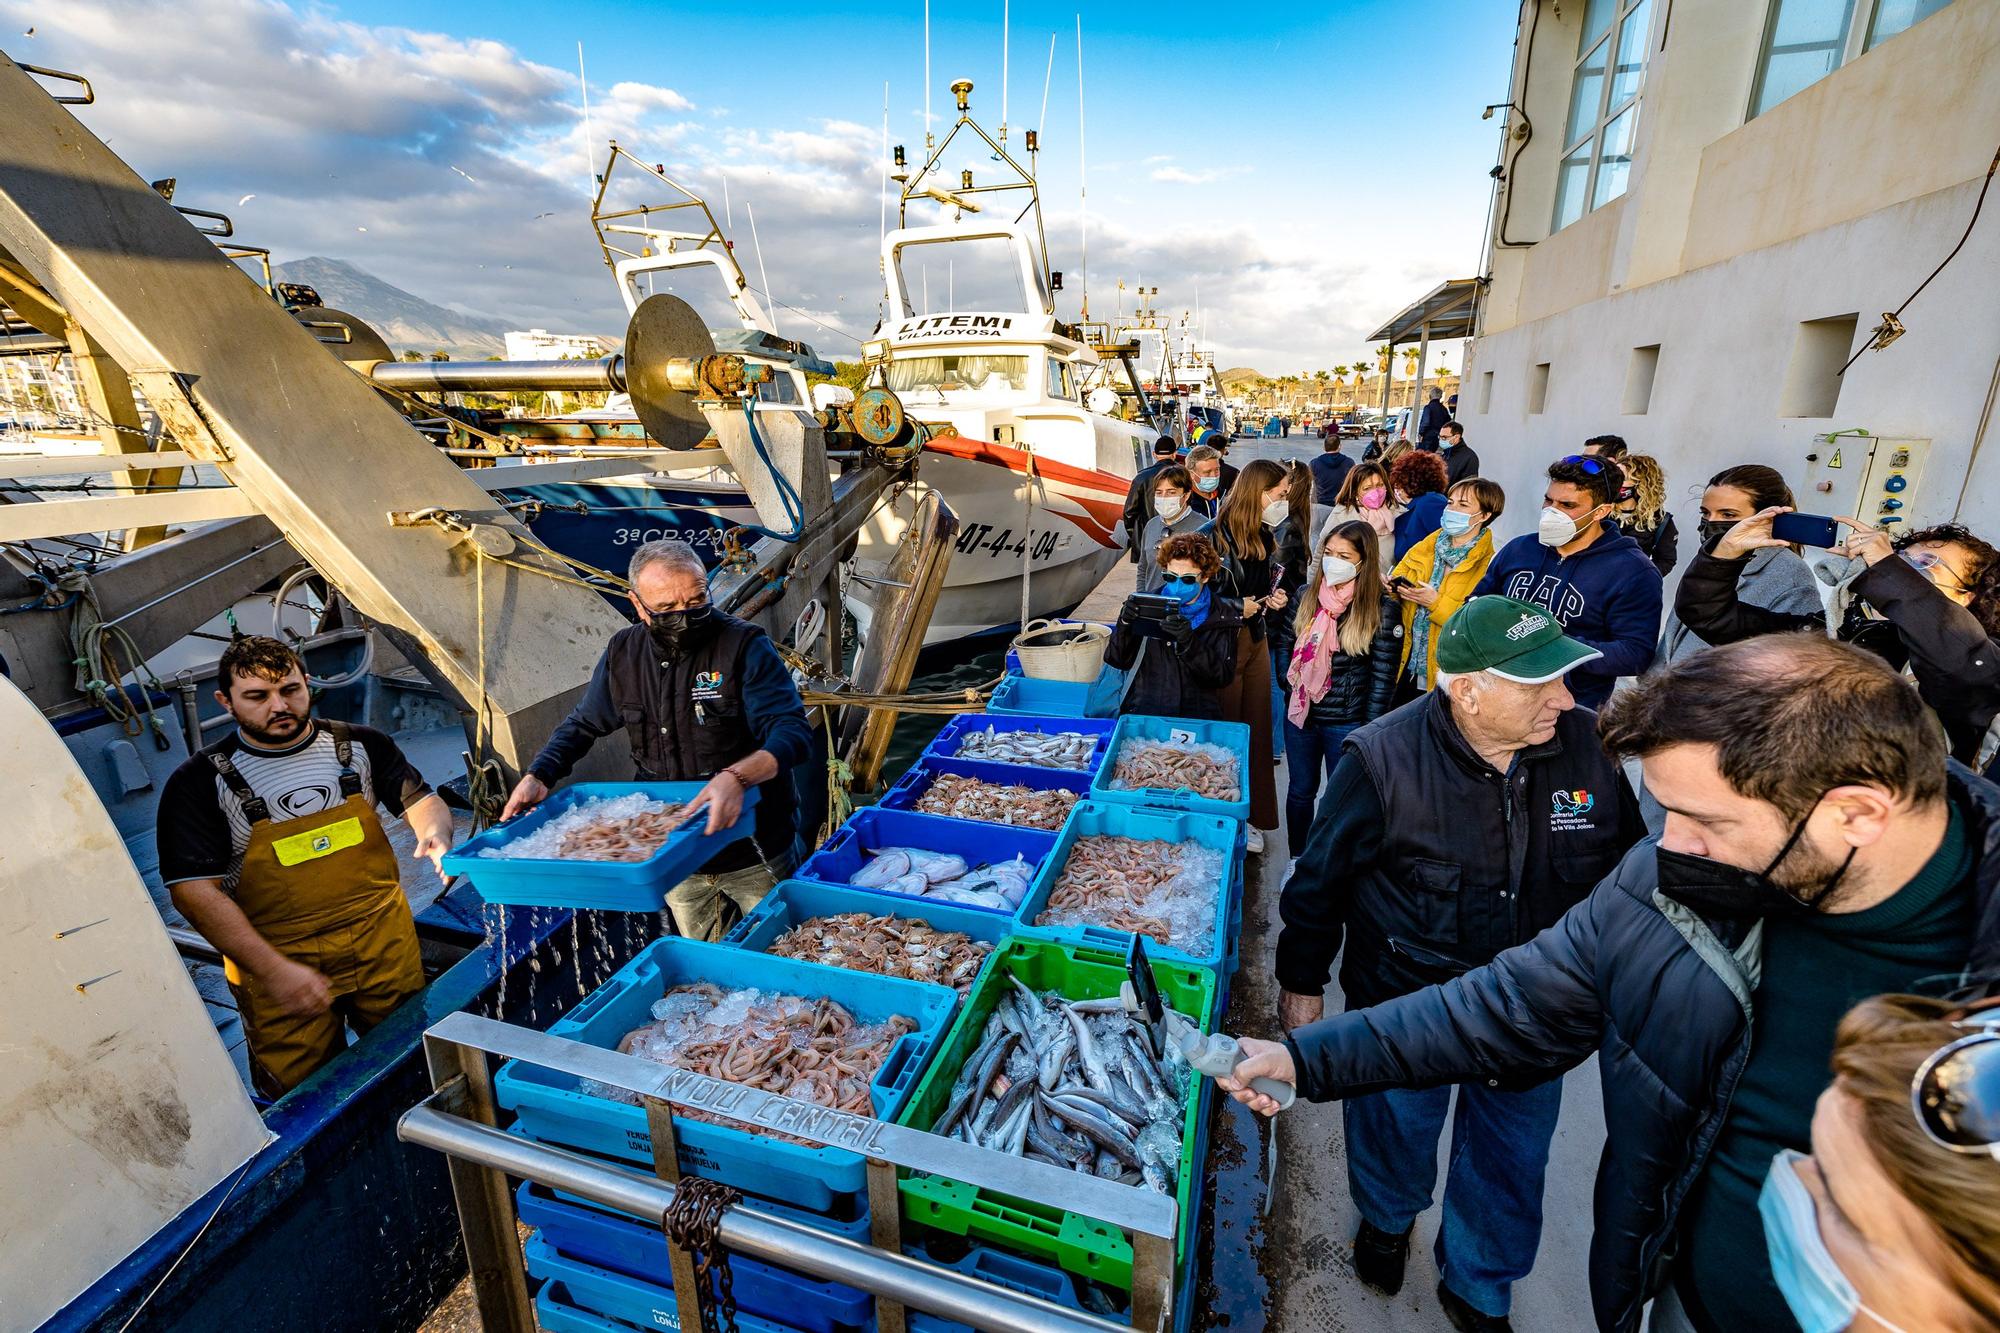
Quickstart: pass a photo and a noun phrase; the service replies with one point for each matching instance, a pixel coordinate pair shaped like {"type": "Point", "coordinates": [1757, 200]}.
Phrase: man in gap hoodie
{"type": "Point", "coordinates": [1580, 568]}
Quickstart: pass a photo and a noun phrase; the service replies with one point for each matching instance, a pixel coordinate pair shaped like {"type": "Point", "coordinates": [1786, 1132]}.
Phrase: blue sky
{"type": "Point", "coordinates": [1310, 167]}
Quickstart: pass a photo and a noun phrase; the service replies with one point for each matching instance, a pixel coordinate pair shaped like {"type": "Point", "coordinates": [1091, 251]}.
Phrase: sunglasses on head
{"type": "Point", "coordinates": [1955, 1094]}
{"type": "Point", "coordinates": [1590, 463]}
{"type": "Point", "coordinates": [1182, 578]}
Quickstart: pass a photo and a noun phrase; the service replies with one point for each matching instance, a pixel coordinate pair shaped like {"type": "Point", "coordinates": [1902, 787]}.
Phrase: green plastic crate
{"type": "Point", "coordinates": [1044, 1231]}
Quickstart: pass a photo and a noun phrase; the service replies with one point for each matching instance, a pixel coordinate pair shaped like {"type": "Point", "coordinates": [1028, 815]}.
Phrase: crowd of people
{"type": "Point", "coordinates": [1741, 844]}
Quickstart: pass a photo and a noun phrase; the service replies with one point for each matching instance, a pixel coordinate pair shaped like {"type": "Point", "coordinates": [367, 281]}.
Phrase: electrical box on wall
{"type": "Point", "coordinates": [1877, 479]}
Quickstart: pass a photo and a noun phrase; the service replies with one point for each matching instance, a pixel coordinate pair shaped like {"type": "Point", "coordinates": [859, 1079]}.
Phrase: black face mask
{"type": "Point", "coordinates": [1712, 528]}
{"type": "Point", "coordinates": [1745, 892]}
{"type": "Point", "coordinates": [671, 630]}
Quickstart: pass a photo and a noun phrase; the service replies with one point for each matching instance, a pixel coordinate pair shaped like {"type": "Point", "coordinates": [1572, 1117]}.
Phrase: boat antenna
{"type": "Point", "coordinates": [1042, 122]}
{"type": "Point", "coordinates": [928, 140]}
{"type": "Point", "coordinates": [882, 231]}
{"type": "Point", "coordinates": [1005, 7]}
{"type": "Point", "coordinates": [589, 153]}
{"type": "Point", "coordinates": [1082, 175]}
{"type": "Point", "coordinates": [728, 213]}
{"type": "Point", "coordinates": [762, 275]}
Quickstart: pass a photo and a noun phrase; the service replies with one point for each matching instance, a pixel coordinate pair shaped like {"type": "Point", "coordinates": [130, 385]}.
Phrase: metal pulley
{"type": "Point", "coordinates": [878, 416]}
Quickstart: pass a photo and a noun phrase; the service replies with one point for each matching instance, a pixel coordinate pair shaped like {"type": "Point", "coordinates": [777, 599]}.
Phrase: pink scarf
{"type": "Point", "coordinates": [1383, 520]}
{"type": "Point", "coordinates": [1312, 660]}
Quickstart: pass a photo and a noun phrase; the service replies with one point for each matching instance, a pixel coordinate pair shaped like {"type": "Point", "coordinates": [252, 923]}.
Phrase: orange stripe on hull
{"type": "Point", "coordinates": [1101, 495]}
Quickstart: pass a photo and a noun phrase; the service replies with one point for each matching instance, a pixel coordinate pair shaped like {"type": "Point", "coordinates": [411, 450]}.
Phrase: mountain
{"type": "Point", "coordinates": [1237, 376]}
{"type": "Point", "coordinates": [405, 321]}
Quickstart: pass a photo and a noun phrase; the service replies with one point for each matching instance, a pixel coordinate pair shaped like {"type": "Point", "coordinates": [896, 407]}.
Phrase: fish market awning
{"type": "Point", "coordinates": [1447, 310]}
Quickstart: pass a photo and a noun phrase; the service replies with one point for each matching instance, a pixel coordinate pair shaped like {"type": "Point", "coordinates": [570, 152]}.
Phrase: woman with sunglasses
{"type": "Point", "coordinates": [1893, 1222]}
{"type": "Point", "coordinates": [1178, 663]}
{"type": "Point", "coordinates": [1927, 602]}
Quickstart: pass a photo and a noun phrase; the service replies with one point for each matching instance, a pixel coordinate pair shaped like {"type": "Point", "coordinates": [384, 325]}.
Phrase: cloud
{"type": "Point", "coordinates": [347, 135]}
{"type": "Point", "coordinates": [1182, 176]}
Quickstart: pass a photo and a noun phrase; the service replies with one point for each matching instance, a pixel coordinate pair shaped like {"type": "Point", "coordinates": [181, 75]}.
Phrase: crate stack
{"type": "Point", "coordinates": [606, 1272]}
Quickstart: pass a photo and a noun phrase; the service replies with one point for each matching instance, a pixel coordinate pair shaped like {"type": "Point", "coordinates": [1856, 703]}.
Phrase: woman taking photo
{"type": "Point", "coordinates": [1774, 577]}
{"type": "Point", "coordinates": [1343, 672]}
{"type": "Point", "coordinates": [1173, 514]}
{"type": "Point", "coordinates": [1643, 515]}
{"type": "Point", "coordinates": [1178, 664]}
{"type": "Point", "coordinates": [1893, 1223]}
{"type": "Point", "coordinates": [1439, 574]}
{"type": "Point", "coordinates": [1243, 533]}
{"type": "Point", "coordinates": [1364, 498]}
{"type": "Point", "coordinates": [1927, 602]}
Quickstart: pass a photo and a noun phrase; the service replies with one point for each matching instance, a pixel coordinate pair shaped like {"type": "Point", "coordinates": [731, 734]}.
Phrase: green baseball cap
{"type": "Point", "coordinates": [1510, 638]}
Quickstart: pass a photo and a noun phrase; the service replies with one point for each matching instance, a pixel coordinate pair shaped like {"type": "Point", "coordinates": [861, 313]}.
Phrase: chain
{"type": "Point", "coordinates": [694, 1222]}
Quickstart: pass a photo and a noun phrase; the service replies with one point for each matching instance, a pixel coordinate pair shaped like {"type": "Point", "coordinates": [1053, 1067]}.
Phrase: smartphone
{"type": "Point", "coordinates": [1806, 530]}
{"type": "Point", "coordinates": [1400, 582]}
{"type": "Point", "coordinates": [1152, 606]}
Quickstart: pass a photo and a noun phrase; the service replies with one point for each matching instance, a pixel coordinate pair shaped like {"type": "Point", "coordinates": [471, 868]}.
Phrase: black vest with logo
{"type": "Point", "coordinates": [1472, 862]}
{"type": "Point", "coordinates": [686, 722]}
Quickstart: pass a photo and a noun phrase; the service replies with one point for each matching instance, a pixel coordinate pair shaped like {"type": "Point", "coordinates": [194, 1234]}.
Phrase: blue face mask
{"type": "Point", "coordinates": [1180, 592]}
{"type": "Point", "coordinates": [1207, 485]}
{"type": "Point", "coordinates": [1817, 1292]}
{"type": "Point", "coordinates": [1455, 523]}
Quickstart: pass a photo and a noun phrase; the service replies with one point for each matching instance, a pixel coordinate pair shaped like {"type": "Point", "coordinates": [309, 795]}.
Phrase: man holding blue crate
{"type": "Point", "coordinates": [701, 695]}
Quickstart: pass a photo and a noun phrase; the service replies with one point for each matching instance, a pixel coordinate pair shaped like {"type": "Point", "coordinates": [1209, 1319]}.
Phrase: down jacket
{"type": "Point", "coordinates": [1358, 688]}
{"type": "Point", "coordinates": [1658, 980]}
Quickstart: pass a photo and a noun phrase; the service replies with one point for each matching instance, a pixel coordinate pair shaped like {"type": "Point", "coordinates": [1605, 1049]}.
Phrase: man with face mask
{"type": "Point", "coordinates": [1593, 578]}
{"type": "Point", "coordinates": [1538, 813]}
{"type": "Point", "coordinates": [700, 695]}
{"type": "Point", "coordinates": [1819, 847]}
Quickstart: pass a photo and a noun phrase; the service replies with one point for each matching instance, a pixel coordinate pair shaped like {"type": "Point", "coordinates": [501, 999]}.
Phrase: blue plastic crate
{"type": "Point", "coordinates": [631, 1248]}
{"type": "Point", "coordinates": [945, 746]}
{"type": "Point", "coordinates": [1001, 1269]}
{"type": "Point", "coordinates": [879, 826]}
{"type": "Point", "coordinates": [1093, 818]}
{"type": "Point", "coordinates": [913, 784]}
{"type": "Point", "coordinates": [1059, 698]}
{"type": "Point", "coordinates": [551, 1109]}
{"type": "Point", "coordinates": [577, 1297]}
{"type": "Point", "coordinates": [848, 1219]}
{"type": "Point", "coordinates": [619, 886]}
{"type": "Point", "coordinates": [796, 901]}
{"type": "Point", "coordinates": [1232, 736]}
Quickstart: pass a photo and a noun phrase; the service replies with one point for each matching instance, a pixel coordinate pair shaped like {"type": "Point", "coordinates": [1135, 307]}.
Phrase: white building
{"type": "Point", "coordinates": [541, 345]}
{"type": "Point", "coordinates": [1706, 208]}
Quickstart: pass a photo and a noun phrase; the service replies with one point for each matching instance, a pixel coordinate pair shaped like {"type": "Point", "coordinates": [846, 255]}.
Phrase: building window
{"type": "Point", "coordinates": [1538, 389]}
{"type": "Point", "coordinates": [1603, 108]}
{"type": "Point", "coordinates": [1806, 40]}
{"type": "Point", "coordinates": [1485, 393]}
{"type": "Point", "coordinates": [1639, 374]}
{"type": "Point", "coordinates": [1812, 380]}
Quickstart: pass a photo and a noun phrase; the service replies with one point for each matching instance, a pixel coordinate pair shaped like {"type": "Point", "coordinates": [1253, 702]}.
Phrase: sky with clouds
{"type": "Point", "coordinates": [1303, 170]}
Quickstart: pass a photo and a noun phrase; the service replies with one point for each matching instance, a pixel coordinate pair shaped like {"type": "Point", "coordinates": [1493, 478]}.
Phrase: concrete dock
{"type": "Point", "coordinates": [1291, 1271]}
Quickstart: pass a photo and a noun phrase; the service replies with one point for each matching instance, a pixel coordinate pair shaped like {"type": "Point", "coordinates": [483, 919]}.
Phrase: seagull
{"type": "Point", "coordinates": [245, 199]}
{"type": "Point", "coordinates": [361, 229]}
{"type": "Point", "coordinates": [539, 216]}
{"type": "Point", "coordinates": [466, 176]}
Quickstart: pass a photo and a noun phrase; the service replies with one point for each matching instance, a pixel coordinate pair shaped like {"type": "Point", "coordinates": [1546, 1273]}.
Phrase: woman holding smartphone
{"type": "Point", "coordinates": [1179, 661]}
{"type": "Point", "coordinates": [1927, 601]}
{"type": "Point", "coordinates": [1244, 533]}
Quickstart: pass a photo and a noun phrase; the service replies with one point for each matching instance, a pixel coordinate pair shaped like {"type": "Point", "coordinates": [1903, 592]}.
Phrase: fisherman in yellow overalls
{"type": "Point", "coordinates": [271, 847]}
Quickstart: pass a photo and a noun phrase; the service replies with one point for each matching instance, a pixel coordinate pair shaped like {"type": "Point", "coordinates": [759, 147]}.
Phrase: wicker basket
{"type": "Point", "coordinates": [1062, 650]}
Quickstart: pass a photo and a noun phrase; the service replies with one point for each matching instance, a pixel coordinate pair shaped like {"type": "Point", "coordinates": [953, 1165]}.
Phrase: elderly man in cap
{"type": "Point", "coordinates": [1452, 829]}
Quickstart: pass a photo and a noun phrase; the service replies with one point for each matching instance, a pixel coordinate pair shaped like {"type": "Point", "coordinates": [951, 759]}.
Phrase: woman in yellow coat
{"type": "Point", "coordinates": [1436, 576]}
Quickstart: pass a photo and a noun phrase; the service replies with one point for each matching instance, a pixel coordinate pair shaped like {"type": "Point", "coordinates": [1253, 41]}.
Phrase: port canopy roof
{"type": "Point", "coordinates": [1447, 309]}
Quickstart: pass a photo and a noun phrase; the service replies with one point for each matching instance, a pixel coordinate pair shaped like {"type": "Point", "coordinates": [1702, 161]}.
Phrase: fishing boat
{"type": "Point", "coordinates": [973, 347]}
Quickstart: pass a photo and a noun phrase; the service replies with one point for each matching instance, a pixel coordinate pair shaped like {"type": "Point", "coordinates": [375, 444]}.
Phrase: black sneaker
{"type": "Point", "coordinates": [1468, 1320]}
{"type": "Point", "coordinates": [1379, 1256]}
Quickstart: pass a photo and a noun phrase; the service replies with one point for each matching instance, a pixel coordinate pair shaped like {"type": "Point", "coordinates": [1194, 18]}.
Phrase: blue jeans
{"type": "Point", "coordinates": [1309, 751]}
{"type": "Point", "coordinates": [1493, 1191]}
{"type": "Point", "coordinates": [1278, 665]}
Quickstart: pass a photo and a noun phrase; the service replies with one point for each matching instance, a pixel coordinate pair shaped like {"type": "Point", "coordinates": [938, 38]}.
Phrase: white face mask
{"type": "Point", "coordinates": [1556, 528]}
{"type": "Point", "coordinates": [1169, 507]}
{"type": "Point", "coordinates": [1338, 570]}
{"type": "Point", "coordinates": [1276, 512]}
